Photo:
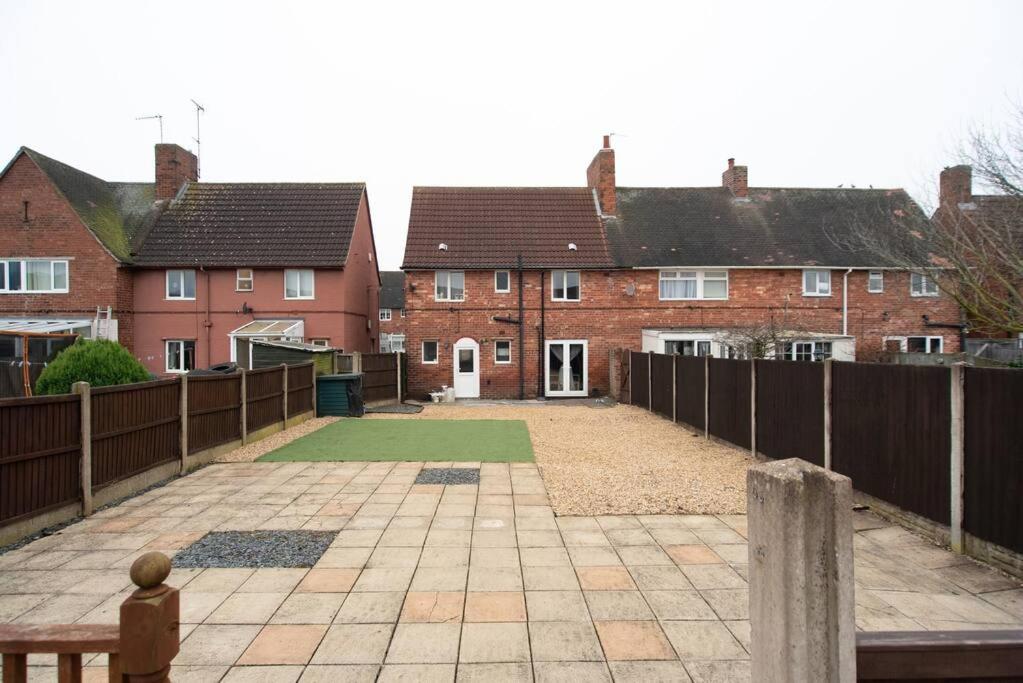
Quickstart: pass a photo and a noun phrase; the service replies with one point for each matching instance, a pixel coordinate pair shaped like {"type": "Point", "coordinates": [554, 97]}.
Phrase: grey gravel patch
{"type": "Point", "coordinates": [256, 549]}
{"type": "Point", "coordinates": [402, 409]}
{"type": "Point", "coordinates": [448, 476]}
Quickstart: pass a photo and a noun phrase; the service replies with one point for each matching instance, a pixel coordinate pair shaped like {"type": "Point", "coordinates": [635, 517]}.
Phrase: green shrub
{"type": "Point", "coordinates": [99, 362]}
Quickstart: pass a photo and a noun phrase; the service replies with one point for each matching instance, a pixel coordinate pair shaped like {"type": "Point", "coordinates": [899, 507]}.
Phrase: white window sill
{"type": "Point", "coordinates": [450, 301]}
{"type": "Point", "coordinates": [429, 362]}
{"type": "Point", "coordinates": [818, 296]}
{"type": "Point", "coordinates": [924, 296]}
{"type": "Point", "coordinates": [300, 298]}
{"type": "Point", "coordinates": [694, 299]}
{"type": "Point", "coordinates": [34, 291]}
{"type": "Point", "coordinates": [502, 362]}
{"type": "Point", "coordinates": [566, 301]}
{"type": "Point", "coordinates": [177, 372]}
{"type": "Point", "coordinates": [180, 298]}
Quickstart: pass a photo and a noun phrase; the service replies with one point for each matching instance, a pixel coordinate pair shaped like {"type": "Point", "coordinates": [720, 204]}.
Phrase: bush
{"type": "Point", "coordinates": [99, 362]}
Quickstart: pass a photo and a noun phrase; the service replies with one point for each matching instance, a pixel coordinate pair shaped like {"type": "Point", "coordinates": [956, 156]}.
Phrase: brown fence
{"type": "Point", "coordinates": [729, 395]}
{"type": "Point", "coordinates": [993, 448]}
{"type": "Point", "coordinates": [379, 376]}
{"type": "Point", "coordinates": [300, 388]}
{"type": "Point", "coordinates": [690, 399]}
{"type": "Point", "coordinates": [134, 428]}
{"type": "Point", "coordinates": [40, 452]}
{"type": "Point", "coordinates": [214, 411]}
{"type": "Point", "coordinates": [264, 397]}
{"type": "Point", "coordinates": [662, 391]}
{"type": "Point", "coordinates": [639, 379]}
{"type": "Point", "coordinates": [790, 412]}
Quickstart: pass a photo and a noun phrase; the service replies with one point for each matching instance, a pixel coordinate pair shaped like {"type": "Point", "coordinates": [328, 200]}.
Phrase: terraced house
{"type": "Point", "coordinates": [522, 291]}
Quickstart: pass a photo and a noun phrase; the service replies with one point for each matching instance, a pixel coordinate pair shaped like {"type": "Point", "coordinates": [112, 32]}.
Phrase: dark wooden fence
{"type": "Point", "coordinates": [790, 414]}
{"type": "Point", "coordinates": [729, 396]}
{"type": "Point", "coordinates": [639, 379]}
{"type": "Point", "coordinates": [662, 394]}
{"type": "Point", "coordinates": [379, 376]}
{"type": "Point", "coordinates": [214, 411]}
{"type": "Point", "coordinates": [264, 397]}
{"type": "Point", "coordinates": [40, 452]}
{"type": "Point", "coordinates": [689, 397]}
{"type": "Point", "coordinates": [300, 388]}
{"type": "Point", "coordinates": [134, 428]}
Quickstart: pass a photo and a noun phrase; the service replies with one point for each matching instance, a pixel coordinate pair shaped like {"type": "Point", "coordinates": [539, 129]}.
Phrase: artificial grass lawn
{"type": "Point", "coordinates": [437, 440]}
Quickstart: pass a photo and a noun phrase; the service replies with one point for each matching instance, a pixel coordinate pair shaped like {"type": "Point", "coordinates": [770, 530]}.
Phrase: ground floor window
{"type": "Point", "coordinates": [429, 352]}
{"type": "Point", "coordinates": [502, 351]}
{"type": "Point", "coordinates": [924, 344]}
{"type": "Point", "coordinates": [807, 350]}
{"type": "Point", "coordinates": [320, 342]}
{"type": "Point", "coordinates": [687, 347]}
{"type": "Point", "coordinates": [180, 355]}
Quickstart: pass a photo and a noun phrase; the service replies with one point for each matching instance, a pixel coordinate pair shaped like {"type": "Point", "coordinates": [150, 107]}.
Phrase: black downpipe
{"type": "Point", "coordinates": [522, 325]}
{"type": "Point", "coordinates": [541, 354]}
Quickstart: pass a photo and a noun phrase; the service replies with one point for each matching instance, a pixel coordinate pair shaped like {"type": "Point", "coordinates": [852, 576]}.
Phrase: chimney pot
{"type": "Point", "coordinates": [175, 166]}
{"type": "Point", "coordinates": [607, 142]}
{"type": "Point", "coordinates": [735, 178]}
{"type": "Point", "coordinates": [731, 162]}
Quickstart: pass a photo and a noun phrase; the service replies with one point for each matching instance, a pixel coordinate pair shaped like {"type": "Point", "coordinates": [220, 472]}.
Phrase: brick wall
{"type": "Point", "coordinates": [608, 317]}
{"type": "Point", "coordinates": [54, 230]}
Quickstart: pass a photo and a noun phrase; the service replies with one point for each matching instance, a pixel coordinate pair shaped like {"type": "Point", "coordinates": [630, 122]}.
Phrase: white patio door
{"type": "Point", "coordinates": [566, 362]}
{"type": "Point", "coordinates": [467, 368]}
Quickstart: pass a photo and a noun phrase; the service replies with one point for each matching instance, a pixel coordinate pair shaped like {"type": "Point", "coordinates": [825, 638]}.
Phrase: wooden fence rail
{"type": "Point", "coordinates": [264, 397]}
{"type": "Point", "coordinates": [379, 376]}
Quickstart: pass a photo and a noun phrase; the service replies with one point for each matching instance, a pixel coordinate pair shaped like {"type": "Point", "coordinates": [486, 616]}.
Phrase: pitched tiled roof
{"type": "Point", "coordinates": [707, 226]}
{"type": "Point", "coordinates": [392, 289]}
{"type": "Point", "coordinates": [113, 212]}
{"type": "Point", "coordinates": [488, 227]}
{"type": "Point", "coordinates": [255, 224]}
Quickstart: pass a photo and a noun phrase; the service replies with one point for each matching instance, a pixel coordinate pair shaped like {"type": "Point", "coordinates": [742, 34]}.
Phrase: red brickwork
{"type": "Point", "coordinates": [175, 166]}
{"type": "Point", "coordinates": [609, 317]}
{"type": "Point", "coordinates": [600, 176]}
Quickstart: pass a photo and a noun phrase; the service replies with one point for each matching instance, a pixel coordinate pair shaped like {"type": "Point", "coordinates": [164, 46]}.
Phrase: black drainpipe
{"type": "Point", "coordinates": [522, 324]}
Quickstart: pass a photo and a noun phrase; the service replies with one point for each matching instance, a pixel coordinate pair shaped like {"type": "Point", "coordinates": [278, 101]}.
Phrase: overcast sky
{"type": "Point", "coordinates": [805, 94]}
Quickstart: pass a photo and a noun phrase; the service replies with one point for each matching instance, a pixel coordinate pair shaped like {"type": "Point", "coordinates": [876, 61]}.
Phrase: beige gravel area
{"type": "Point", "coordinates": [263, 446]}
{"type": "Point", "coordinates": [618, 460]}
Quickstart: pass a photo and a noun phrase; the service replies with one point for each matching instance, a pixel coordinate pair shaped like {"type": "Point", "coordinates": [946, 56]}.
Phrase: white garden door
{"type": "Point", "coordinates": [566, 362]}
{"type": "Point", "coordinates": [467, 368]}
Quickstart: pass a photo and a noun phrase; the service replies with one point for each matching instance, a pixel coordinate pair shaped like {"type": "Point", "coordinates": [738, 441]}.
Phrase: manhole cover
{"type": "Point", "coordinates": [256, 549]}
{"type": "Point", "coordinates": [448, 475]}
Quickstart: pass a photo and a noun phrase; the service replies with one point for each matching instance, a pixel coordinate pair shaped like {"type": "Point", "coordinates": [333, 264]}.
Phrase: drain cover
{"type": "Point", "coordinates": [448, 475]}
{"type": "Point", "coordinates": [297, 548]}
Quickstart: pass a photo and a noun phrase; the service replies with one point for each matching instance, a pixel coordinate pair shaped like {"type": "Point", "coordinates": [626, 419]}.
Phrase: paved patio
{"type": "Point", "coordinates": [430, 582]}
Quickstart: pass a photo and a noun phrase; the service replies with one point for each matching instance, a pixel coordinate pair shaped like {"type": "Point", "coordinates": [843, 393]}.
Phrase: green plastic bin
{"type": "Point", "coordinates": [339, 395]}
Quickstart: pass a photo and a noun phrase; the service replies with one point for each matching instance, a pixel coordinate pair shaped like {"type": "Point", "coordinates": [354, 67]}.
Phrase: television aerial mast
{"type": "Point", "coordinates": [199, 109]}
{"type": "Point", "coordinates": [158, 117]}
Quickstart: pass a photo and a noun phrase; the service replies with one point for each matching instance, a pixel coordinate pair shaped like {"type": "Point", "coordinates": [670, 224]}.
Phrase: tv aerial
{"type": "Point", "coordinates": [158, 117]}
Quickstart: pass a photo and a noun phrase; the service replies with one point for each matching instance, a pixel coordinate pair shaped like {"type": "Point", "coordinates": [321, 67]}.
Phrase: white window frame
{"type": "Point", "coordinates": [922, 291]}
{"type": "Point", "coordinates": [238, 280]}
{"type": "Point", "coordinates": [436, 352]}
{"type": "Point", "coordinates": [814, 343]}
{"type": "Point", "coordinates": [298, 272]}
{"type": "Point", "coordinates": [563, 274]}
{"type": "Point", "coordinates": [507, 289]}
{"type": "Point", "coordinates": [402, 312]}
{"type": "Point", "coordinates": [498, 361]}
{"type": "Point", "coordinates": [928, 338]}
{"type": "Point", "coordinates": [700, 276]}
{"type": "Point", "coordinates": [446, 274]}
{"type": "Point", "coordinates": [816, 292]}
{"type": "Point", "coordinates": [181, 271]}
{"type": "Point", "coordinates": [181, 354]}
{"type": "Point", "coordinates": [871, 276]}
{"type": "Point", "coordinates": [384, 314]}
{"type": "Point", "coordinates": [320, 341]}
{"type": "Point", "coordinates": [23, 272]}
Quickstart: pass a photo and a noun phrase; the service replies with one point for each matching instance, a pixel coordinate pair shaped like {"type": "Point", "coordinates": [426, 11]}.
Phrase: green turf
{"type": "Point", "coordinates": [435, 440]}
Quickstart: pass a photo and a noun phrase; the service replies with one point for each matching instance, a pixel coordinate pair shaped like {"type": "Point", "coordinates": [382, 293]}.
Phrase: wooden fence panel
{"type": "Point", "coordinates": [40, 452]}
{"type": "Point", "coordinates": [300, 388]}
{"type": "Point", "coordinates": [689, 394]}
{"type": "Point", "coordinates": [214, 410]}
{"type": "Point", "coordinates": [993, 473]}
{"type": "Point", "coordinates": [639, 380]}
{"type": "Point", "coordinates": [890, 434]}
{"type": "Point", "coordinates": [729, 399]}
{"type": "Point", "coordinates": [662, 390]}
{"type": "Point", "coordinates": [379, 377]}
{"type": "Point", "coordinates": [134, 427]}
{"type": "Point", "coordinates": [790, 410]}
{"type": "Point", "coordinates": [264, 397]}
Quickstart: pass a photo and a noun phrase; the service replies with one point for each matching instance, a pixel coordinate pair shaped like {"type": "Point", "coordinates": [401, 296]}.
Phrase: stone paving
{"type": "Point", "coordinates": [433, 582]}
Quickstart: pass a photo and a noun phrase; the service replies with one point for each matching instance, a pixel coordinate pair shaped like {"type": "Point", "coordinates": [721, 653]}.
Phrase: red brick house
{"type": "Point", "coordinates": [525, 291]}
{"type": "Point", "coordinates": [392, 311]}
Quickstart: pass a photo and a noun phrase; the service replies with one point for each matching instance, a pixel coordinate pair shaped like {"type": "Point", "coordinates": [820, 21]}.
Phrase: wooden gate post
{"type": "Point", "coordinates": [183, 429]}
{"type": "Point", "coordinates": [244, 402]}
{"type": "Point", "coordinates": [957, 406]}
{"type": "Point", "coordinates": [149, 630]}
{"type": "Point", "coordinates": [284, 400]}
{"type": "Point", "coordinates": [827, 413]}
{"type": "Point", "coordinates": [83, 390]}
{"type": "Point", "coordinates": [706, 397]}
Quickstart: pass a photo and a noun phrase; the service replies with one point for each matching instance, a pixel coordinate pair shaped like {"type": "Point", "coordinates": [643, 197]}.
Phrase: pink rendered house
{"type": "Point", "coordinates": [225, 263]}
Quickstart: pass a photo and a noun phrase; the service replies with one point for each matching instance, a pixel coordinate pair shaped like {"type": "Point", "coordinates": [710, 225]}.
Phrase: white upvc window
{"type": "Point", "coordinates": [565, 285]}
{"type": "Point", "coordinates": [502, 281]}
{"type": "Point", "coordinates": [687, 347]}
{"type": "Point", "coordinates": [449, 285]}
{"type": "Point", "coordinates": [816, 283]}
{"type": "Point", "coordinates": [180, 355]}
{"type": "Point", "coordinates": [924, 344]}
{"type": "Point", "coordinates": [320, 342]}
{"type": "Point", "coordinates": [502, 351]}
{"type": "Point", "coordinates": [677, 285]}
{"type": "Point", "coordinates": [403, 313]}
{"type": "Point", "coordinates": [385, 315]}
{"type": "Point", "coordinates": [397, 343]}
{"type": "Point", "coordinates": [430, 352]}
{"type": "Point", "coordinates": [34, 276]}
{"type": "Point", "coordinates": [922, 285]}
{"type": "Point", "coordinates": [807, 350]}
{"type": "Point", "coordinates": [875, 281]}
{"type": "Point", "coordinates": [181, 284]}
{"type": "Point", "coordinates": [243, 280]}
{"type": "Point", "coordinates": [299, 284]}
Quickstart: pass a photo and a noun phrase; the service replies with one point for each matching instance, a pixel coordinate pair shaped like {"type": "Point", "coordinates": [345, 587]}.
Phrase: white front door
{"type": "Point", "coordinates": [467, 368]}
{"type": "Point", "coordinates": [566, 362]}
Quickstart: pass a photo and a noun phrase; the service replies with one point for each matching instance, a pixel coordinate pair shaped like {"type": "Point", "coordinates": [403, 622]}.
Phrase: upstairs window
{"type": "Point", "coordinates": [565, 285]}
{"type": "Point", "coordinates": [502, 281]}
{"type": "Point", "coordinates": [181, 284]}
{"type": "Point", "coordinates": [298, 284]}
{"type": "Point", "coordinates": [449, 285]}
{"type": "Point", "coordinates": [243, 280]}
{"type": "Point", "coordinates": [875, 281]}
{"type": "Point", "coordinates": [922, 285]}
{"type": "Point", "coordinates": [34, 276]}
{"type": "Point", "coordinates": [385, 315]}
{"type": "Point", "coordinates": [693, 284]}
{"type": "Point", "coordinates": [816, 283]}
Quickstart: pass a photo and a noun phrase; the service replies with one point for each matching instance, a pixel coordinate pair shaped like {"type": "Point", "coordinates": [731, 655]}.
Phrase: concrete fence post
{"type": "Point", "coordinates": [828, 365]}
{"type": "Point", "coordinates": [397, 365]}
{"type": "Point", "coordinates": [85, 394]}
{"type": "Point", "coordinates": [356, 362]}
{"type": "Point", "coordinates": [243, 418]}
{"type": "Point", "coordinates": [753, 406]}
{"type": "Point", "coordinates": [957, 406]}
{"type": "Point", "coordinates": [802, 606]}
{"type": "Point", "coordinates": [611, 384]}
{"type": "Point", "coordinates": [674, 387]}
{"type": "Point", "coordinates": [183, 429]}
{"type": "Point", "coordinates": [706, 397]}
{"type": "Point", "coordinates": [650, 381]}
{"type": "Point", "coordinates": [284, 395]}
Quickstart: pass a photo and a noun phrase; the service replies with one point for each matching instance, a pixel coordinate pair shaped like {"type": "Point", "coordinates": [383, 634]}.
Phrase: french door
{"type": "Point", "coordinates": [566, 363]}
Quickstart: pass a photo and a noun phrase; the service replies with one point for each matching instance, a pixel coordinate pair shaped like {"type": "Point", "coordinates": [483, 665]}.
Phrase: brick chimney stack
{"type": "Point", "coordinates": [735, 179]}
{"type": "Point", "coordinates": [955, 186]}
{"type": "Point", "coordinates": [600, 176]}
{"type": "Point", "coordinates": [175, 166]}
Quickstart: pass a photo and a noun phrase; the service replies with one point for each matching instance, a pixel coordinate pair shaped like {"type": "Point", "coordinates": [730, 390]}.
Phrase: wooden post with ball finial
{"type": "Point", "coordinates": [149, 622]}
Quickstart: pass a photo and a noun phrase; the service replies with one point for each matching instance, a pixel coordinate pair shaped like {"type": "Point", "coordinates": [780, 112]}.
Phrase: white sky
{"type": "Point", "coordinates": [807, 94]}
